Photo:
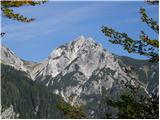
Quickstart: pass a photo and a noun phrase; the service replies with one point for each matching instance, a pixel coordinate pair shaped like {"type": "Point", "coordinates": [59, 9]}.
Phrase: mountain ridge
{"type": "Point", "coordinates": [83, 72]}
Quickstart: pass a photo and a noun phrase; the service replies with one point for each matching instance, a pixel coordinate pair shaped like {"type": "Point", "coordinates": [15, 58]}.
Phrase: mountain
{"type": "Point", "coordinates": [22, 98]}
{"type": "Point", "coordinates": [82, 72]}
{"type": "Point", "coordinates": [10, 58]}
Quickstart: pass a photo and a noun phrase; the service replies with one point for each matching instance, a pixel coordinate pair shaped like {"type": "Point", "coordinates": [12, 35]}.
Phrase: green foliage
{"type": "Point", "coordinates": [29, 99]}
{"type": "Point", "coordinates": [131, 107]}
{"type": "Point", "coordinates": [146, 39]}
{"type": "Point", "coordinates": [142, 47]}
{"type": "Point", "coordinates": [60, 81]}
{"type": "Point", "coordinates": [73, 112]}
{"type": "Point", "coordinates": [145, 46]}
{"type": "Point", "coordinates": [149, 21]}
{"type": "Point", "coordinates": [9, 13]}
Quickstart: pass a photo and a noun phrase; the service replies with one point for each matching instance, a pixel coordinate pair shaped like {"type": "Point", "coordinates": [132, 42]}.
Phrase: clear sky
{"type": "Point", "coordinates": [60, 22]}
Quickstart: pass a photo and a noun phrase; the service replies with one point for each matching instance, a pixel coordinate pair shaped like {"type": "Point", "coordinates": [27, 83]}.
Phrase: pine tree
{"type": "Point", "coordinates": [7, 11]}
{"type": "Point", "coordinates": [145, 45]}
{"type": "Point", "coordinates": [130, 105]}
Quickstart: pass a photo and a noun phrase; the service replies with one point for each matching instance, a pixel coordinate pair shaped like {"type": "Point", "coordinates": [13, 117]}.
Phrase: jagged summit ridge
{"type": "Point", "coordinates": [74, 45]}
{"type": "Point", "coordinates": [83, 52]}
{"type": "Point", "coordinates": [80, 61]}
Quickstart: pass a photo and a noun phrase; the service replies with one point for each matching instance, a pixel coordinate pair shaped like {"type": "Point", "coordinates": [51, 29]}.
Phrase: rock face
{"type": "Point", "coordinates": [10, 58]}
{"type": "Point", "coordinates": [83, 55]}
{"type": "Point", "coordinates": [9, 113]}
{"type": "Point", "coordinates": [83, 72]}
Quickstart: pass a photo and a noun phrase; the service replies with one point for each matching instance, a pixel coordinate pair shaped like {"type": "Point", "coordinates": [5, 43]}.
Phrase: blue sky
{"type": "Point", "coordinates": [60, 22]}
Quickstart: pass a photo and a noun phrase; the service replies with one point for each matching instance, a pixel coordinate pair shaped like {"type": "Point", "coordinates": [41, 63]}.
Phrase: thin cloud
{"type": "Point", "coordinates": [43, 26]}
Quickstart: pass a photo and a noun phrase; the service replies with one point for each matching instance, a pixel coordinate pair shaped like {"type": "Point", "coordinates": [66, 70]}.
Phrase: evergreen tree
{"type": "Point", "coordinates": [73, 112]}
{"type": "Point", "coordinates": [145, 46]}
{"type": "Point", "coordinates": [7, 11]}
{"type": "Point", "coordinates": [33, 100]}
{"type": "Point", "coordinates": [130, 105]}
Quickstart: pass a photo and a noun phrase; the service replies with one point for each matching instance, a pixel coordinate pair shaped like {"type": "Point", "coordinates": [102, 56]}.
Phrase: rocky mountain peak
{"type": "Point", "coordinates": [83, 68]}
{"type": "Point", "coordinates": [77, 46]}
{"type": "Point", "coordinates": [82, 41]}
{"type": "Point", "coordinates": [80, 38]}
{"type": "Point", "coordinates": [82, 52]}
{"type": "Point", "coordinates": [83, 72]}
